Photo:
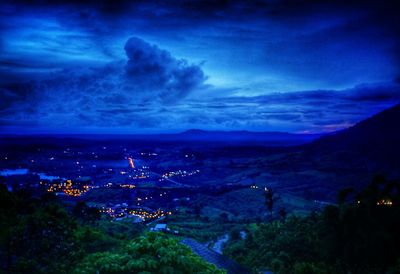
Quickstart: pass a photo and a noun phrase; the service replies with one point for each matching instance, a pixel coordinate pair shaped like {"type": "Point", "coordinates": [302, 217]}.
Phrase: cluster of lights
{"type": "Point", "coordinates": [127, 186]}
{"type": "Point", "coordinates": [148, 154]}
{"type": "Point", "coordinates": [141, 213]}
{"type": "Point", "coordinates": [113, 213]}
{"type": "Point", "coordinates": [108, 210]}
{"type": "Point", "coordinates": [149, 215]}
{"type": "Point", "coordinates": [67, 188]}
{"type": "Point", "coordinates": [384, 202]}
{"type": "Point", "coordinates": [253, 186]}
{"type": "Point", "coordinates": [181, 173]}
{"type": "Point", "coordinates": [137, 173]}
{"type": "Point", "coordinates": [141, 175]}
{"type": "Point", "coordinates": [53, 187]}
{"type": "Point", "coordinates": [74, 192]}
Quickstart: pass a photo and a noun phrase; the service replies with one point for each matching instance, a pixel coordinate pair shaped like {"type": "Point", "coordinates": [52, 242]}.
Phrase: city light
{"type": "Point", "coordinates": [131, 164]}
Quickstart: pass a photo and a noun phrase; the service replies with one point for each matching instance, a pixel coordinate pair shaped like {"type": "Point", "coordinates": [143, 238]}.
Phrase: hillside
{"type": "Point", "coordinates": [349, 158]}
{"type": "Point", "coordinates": [372, 144]}
{"type": "Point", "coordinates": [380, 130]}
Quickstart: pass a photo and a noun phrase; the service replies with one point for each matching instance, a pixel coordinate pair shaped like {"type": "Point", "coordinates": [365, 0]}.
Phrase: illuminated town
{"type": "Point", "coordinates": [148, 191]}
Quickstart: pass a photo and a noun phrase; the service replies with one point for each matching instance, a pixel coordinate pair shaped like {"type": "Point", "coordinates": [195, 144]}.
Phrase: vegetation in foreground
{"type": "Point", "coordinates": [360, 235]}
{"type": "Point", "coordinates": [39, 235]}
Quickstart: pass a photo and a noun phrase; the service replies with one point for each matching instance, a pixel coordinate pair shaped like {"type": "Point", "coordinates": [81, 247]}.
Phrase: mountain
{"type": "Point", "coordinates": [267, 138]}
{"type": "Point", "coordinates": [371, 146]}
{"type": "Point", "coordinates": [379, 131]}
{"type": "Point", "coordinates": [348, 158]}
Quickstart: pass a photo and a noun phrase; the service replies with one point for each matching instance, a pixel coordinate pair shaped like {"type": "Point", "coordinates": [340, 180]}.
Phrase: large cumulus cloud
{"type": "Point", "coordinates": [124, 93]}
{"type": "Point", "coordinates": [151, 68]}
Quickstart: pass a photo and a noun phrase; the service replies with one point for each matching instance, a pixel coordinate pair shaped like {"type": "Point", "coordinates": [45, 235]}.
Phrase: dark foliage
{"type": "Point", "coordinates": [39, 235]}
{"type": "Point", "coordinates": [361, 236]}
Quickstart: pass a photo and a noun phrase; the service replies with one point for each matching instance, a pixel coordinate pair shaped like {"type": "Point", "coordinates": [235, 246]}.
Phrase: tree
{"type": "Point", "coordinates": [224, 217]}
{"type": "Point", "coordinates": [283, 213]}
{"type": "Point", "coordinates": [152, 253]}
{"type": "Point", "coordinates": [8, 219]}
{"type": "Point", "coordinates": [269, 200]}
{"type": "Point", "coordinates": [85, 213]}
{"type": "Point", "coordinates": [343, 195]}
{"type": "Point", "coordinates": [357, 238]}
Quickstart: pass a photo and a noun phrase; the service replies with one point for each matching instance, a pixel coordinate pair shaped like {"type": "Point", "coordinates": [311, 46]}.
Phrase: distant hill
{"type": "Point", "coordinates": [268, 138]}
{"type": "Point", "coordinates": [193, 135]}
{"type": "Point", "coordinates": [229, 137]}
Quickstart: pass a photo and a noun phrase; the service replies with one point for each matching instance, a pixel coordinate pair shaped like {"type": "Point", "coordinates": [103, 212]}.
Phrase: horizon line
{"type": "Point", "coordinates": [127, 133]}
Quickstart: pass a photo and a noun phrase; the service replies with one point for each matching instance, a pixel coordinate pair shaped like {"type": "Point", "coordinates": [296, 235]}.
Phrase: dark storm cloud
{"type": "Point", "coordinates": [362, 14]}
{"type": "Point", "coordinates": [152, 68]}
{"type": "Point", "coordinates": [294, 41]}
{"type": "Point", "coordinates": [118, 94]}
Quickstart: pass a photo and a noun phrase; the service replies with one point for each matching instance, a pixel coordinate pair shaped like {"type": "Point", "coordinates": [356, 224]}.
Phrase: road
{"type": "Point", "coordinates": [169, 180]}
{"type": "Point", "coordinates": [218, 245]}
{"type": "Point", "coordinates": [214, 258]}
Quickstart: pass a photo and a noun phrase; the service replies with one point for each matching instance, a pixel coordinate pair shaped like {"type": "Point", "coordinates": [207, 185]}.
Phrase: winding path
{"type": "Point", "coordinates": [214, 258]}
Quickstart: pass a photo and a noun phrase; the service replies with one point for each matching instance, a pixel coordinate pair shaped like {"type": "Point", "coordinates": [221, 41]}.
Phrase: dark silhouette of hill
{"type": "Point", "coordinates": [348, 158]}
{"type": "Point", "coordinates": [372, 145]}
{"type": "Point", "coordinates": [379, 131]}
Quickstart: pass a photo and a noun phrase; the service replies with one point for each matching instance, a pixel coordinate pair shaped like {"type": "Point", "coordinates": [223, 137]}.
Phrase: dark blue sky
{"type": "Point", "coordinates": [142, 66]}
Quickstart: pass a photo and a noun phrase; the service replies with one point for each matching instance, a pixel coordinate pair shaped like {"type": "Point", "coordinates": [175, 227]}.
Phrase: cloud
{"type": "Point", "coordinates": [280, 44]}
{"type": "Point", "coordinates": [151, 68]}
{"type": "Point", "coordinates": [375, 93]}
{"type": "Point", "coordinates": [369, 93]}
{"type": "Point", "coordinates": [311, 111]}
{"type": "Point", "coordinates": [117, 94]}
{"type": "Point", "coordinates": [99, 99]}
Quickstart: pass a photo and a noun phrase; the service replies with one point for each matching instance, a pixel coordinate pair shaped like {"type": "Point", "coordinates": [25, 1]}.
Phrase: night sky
{"type": "Point", "coordinates": [151, 67]}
